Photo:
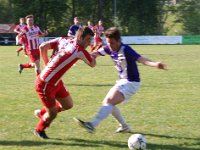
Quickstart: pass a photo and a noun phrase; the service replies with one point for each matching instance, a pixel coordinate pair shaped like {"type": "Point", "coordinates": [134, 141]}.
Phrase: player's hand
{"type": "Point", "coordinates": [162, 66]}
{"type": "Point", "coordinates": [46, 32]}
{"type": "Point", "coordinates": [94, 54]}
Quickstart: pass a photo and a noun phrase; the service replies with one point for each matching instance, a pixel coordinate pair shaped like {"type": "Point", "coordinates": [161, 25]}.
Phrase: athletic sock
{"type": "Point", "coordinates": [118, 116]}
{"type": "Point", "coordinates": [104, 111]}
{"type": "Point", "coordinates": [37, 72]}
{"type": "Point", "coordinates": [93, 48]}
{"type": "Point", "coordinates": [28, 65]}
{"type": "Point", "coordinates": [42, 112]}
{"type": "Point", "coordinates": [58, 106]}
{"type": "Point", "coordinates": [19, 49]}
{"type": "Point", "coordinates": [42, 125]}
{"type": "Point", "coordinates": [99, 46]}
{"type": "Point", "coordinates": [25, 52]}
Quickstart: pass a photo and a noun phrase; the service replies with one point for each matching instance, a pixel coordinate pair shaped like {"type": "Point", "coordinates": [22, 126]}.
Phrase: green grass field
{"type": "Point", "coordinates": [166, 109]}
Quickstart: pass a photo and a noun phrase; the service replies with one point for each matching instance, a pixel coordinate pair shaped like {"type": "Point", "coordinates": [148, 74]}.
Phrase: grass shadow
{"type": "Point", "coordinates": [96, 143]}
{"type": "Point", "coordinates": [88, 85]}
{"type": "Point", "coordinates": [62, 142]}
{"type": "Point", "coordinates": [183, 146]}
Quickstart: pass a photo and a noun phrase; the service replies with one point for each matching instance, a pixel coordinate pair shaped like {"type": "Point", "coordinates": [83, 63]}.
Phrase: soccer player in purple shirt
{"type": "Point", "coordinates": [74, 28]}
{"type": "Point", "coordinates": [125, 60]}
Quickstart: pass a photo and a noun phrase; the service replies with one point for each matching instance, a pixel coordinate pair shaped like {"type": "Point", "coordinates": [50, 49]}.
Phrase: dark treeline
{"type": "Point", "coordinates": [133, 17]}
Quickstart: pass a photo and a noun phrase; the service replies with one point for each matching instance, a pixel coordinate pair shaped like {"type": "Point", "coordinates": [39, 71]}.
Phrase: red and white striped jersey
{"type": "Point", "coordinates": [19, 27]}
{"type": "Point", "coordinates": [98, 30]}
{"type": "Point", "coordinates": [32, 36]}
{"type": "Point", "coordinates": [57, 44]}
{"type": "Point", "coordinates": [68, 53]}
{"type": "Point", "coordinates": [91, 27]}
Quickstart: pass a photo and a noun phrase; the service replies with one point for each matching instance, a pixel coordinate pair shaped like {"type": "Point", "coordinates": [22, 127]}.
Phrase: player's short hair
{"type": "Point", "coordinates": [113, 32]}
{"type": "Point", "coordinates": [21, 18]}
{"type": "Point", "coordinates": [29, 16]}
{"type": "Point", "coordinates": [75, 18]}
{"type": "Point", "coordinates": [83, 31]}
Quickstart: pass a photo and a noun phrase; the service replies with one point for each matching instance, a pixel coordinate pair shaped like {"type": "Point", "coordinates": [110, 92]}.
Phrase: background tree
{"type": "Point", "coordinates": [133, 17]}
{"type": "Point", "coordinates": [189, 15]}
{"type": "Point", "coordinates": [6, 11]}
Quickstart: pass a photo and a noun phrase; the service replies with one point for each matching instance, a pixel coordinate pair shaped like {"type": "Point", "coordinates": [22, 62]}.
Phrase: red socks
{"type": "Point", "coordinates": [43, 124]}
{"type": "Point", "coordinates": [43, 111]}
{"type": "Point", "coordinates": [27, 65]}
{"type": "Point", "coordinates": [93, 48]}
{"type": "Point", "coordinates": [99, 46]}
{"type": "Point", "coordinates": [20, 49]}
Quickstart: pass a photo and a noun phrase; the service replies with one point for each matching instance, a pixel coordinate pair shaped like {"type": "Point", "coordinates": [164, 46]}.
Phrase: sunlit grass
{"type": "Point", "coordinates": [165, 110]}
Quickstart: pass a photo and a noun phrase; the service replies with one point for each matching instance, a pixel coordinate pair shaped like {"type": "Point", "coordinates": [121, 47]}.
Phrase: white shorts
{"type": "Point", "coordinates": [127, 88]}
{"type": "Point", "coordinates": [17, 40]}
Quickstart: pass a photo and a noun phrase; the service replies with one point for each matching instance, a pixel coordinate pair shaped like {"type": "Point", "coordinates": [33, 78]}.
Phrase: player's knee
{"type": "Point", "coordinates": [53, 114]}
{"type": "Point", "coordinates": [108, 101]}
{"type": "Point", "coordinates": [42, 46]}
{"type": "Point", "coordinates": [68, 106]}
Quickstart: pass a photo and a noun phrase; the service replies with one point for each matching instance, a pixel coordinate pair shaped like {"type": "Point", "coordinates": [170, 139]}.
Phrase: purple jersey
{"type": "Point", "coordinates": [73, 29]}
{"type": "Point", "coordinates": [124, 60]}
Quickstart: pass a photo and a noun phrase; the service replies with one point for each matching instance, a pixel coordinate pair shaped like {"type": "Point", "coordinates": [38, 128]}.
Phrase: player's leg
{"type": "Point", "coordinates": [47, 93]}
{"type": "Point", "coordinates": [63, 97]}
{"type": "Point", "coordinates": [37, 67]}
{"type": "Point", "coordinates": [94, 45]}
{"type": "Point", "coordinates": [100, 43]}
{"type": "Point", "coordinates": [128, 89]}
{"type": "Point", "coordinates": [18, 42]}
{"type": "Point", "coordinates": [66, 103]}
{"type": "Point", "coordinates": [63, 100]}
{"type": "Point", "coordinates": [27, 65]}
{"type": "Point", "coordinates": [35, 58]}
{"type": "Point", "coordinates": [45, 122]}
{"type": "Point", "coordinates": [123, 126]}
{"type": "Point", "coordinates": [39, 113]}
{"type": "Point", "coordinates": [113, 98]}
{"type": "Point", "coordinates": [25, 51]}
{"type": "Point", "coordinates": [19, 50]}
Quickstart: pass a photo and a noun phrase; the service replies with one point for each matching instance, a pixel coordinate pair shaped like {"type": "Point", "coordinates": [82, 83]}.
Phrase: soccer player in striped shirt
{"type": "Point", "coordinates": [98, 30]}
{"type": "Point", "coordinates": [124, 58]}
{"type": "Point", "coordinates": [17, 30]}
{"type": "Point", "coordinates": [49, 86]}
{"type": "Point", "coordinates": [31, 32]}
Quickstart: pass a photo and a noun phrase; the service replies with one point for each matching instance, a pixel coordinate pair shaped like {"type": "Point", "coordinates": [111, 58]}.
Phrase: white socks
{"type": "Point", "coordinates": [118, 116]}
{"type": "Point", "coordinates": [104, 111]}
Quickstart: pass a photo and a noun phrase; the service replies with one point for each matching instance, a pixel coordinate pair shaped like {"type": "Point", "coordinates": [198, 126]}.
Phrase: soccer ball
{"type": "Point", "coordinates": [137, 142]}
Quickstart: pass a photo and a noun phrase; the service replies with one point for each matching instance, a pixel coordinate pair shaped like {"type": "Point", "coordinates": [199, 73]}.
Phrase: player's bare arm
{"type": "Point", "coordinates": [92, 63]}
{"type": "Point", "coordinates": [95, 54]}
{"type": "Point", "coordinates": [45, 33]}
{"type": "Point", "coordinates": [148, 62]}
{"type": "Point", "coordinates": [44, 47]}
{"type": "Point", "coordinates": [16, 31]}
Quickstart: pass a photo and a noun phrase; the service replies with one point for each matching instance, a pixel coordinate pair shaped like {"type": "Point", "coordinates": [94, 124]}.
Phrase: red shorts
{"type": "Point", "coordinates": [34, 55]}
{"type": "Point", "coordinates": [22, 40]}
{"type": "Point", "coordinates": [49, 92]}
